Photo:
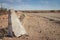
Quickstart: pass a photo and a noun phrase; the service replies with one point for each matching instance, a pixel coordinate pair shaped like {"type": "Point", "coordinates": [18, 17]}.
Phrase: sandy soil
{"type": "Point", "coordinates": [38, 28]}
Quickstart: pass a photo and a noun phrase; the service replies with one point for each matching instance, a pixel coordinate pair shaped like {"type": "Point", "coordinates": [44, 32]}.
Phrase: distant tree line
{"type": "Point", "coordinates": [3, 11]}
{"type": "Point", "coordinates": [43, 11]}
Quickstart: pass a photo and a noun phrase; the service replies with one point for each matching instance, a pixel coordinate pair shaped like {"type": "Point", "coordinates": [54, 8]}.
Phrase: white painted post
{"type": "Point", "coordinates": [17, 27]}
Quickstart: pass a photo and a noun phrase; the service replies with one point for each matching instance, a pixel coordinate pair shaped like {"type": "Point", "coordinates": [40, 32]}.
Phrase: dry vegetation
{"type": "Point", "coordinates": [3, 23]}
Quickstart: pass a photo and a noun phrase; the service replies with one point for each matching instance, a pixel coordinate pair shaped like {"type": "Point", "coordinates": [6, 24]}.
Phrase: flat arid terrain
{"type": "Point", "coordinates": [39, 26]}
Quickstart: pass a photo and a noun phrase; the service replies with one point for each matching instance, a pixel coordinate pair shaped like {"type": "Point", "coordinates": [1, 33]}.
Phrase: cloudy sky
{"type": "Point", "coordinates": [31, 4]}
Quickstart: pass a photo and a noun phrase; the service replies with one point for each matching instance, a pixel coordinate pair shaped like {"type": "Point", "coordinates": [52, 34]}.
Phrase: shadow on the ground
{"type": "Point", "coordinates": [55, 21]}
{"type": "Point", "coordinates": [3, 32]}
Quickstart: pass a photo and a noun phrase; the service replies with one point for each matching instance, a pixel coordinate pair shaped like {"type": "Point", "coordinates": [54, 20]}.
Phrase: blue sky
{"type": "Point", "coordinates": [31, 4]}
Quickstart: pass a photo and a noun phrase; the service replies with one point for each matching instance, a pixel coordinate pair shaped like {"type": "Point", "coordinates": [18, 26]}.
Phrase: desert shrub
{"type": "Point", "coordinates": [52, 11]}
{"type": "Point", "coordinates": [58, 10]}
{"type": "Point", "coordinates": [15, 11]}
{"type": "Point", "coordinates": [22, 17]}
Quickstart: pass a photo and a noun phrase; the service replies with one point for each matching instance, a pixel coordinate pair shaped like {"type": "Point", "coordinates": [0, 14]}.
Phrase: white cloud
{"type": "Point", "coordinates": [6, 5]}
{"type": "Point", "coordinates": [23, 7]}
{"type": "Point", "coordinates": [13, 1]}
{"type": "Point", "coordinates": [9, 0]}
{"type": "Point", "coordinates": [44, 1]}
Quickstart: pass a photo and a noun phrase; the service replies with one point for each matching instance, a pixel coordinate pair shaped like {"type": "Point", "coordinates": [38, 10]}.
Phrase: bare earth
{"type": "Point", "coordinates": [38, 27]}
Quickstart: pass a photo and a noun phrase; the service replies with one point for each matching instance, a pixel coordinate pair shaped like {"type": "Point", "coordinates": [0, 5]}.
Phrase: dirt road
{"type": "Point", "coordinates": [53, 16]}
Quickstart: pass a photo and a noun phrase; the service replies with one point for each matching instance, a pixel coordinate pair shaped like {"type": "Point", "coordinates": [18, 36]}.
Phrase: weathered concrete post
{"type": "Point", "coordinates": [9, 25]}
